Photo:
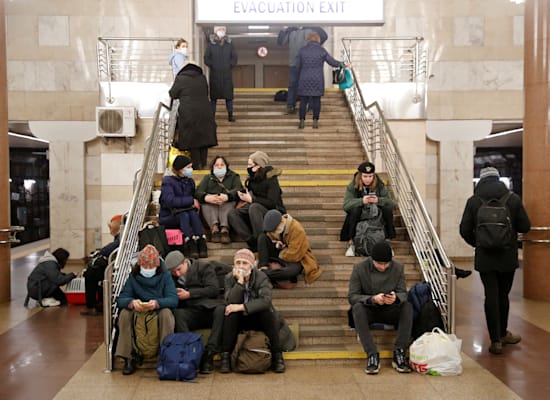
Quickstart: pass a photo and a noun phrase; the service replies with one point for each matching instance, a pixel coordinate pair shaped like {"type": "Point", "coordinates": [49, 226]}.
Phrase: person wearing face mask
{"type": "Point", "coordinates": [217, 194]}
{"type": "Point", "coordinates": [221, 57]}
{"type": "Point", "coordinates": [179, 209]}
{"type": "Point", "coordinates": [196, 127]}
{"type": "Point", "coordinates": [261, 194]}
{"type": "Point", "coordinates": [149, 287]}
{"type": "Point", "coordinates": [179, 56]}
{"type": "Point", "coordinates": [248, 307]}
{"type": "Point", "coordinates": [284, 251]}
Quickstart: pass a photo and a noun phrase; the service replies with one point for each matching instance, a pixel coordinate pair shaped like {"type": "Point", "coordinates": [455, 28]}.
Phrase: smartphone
{"type": "Point", "coordinates": [371, 194]}
{"type": "Point", "coordinates": [387, 294]}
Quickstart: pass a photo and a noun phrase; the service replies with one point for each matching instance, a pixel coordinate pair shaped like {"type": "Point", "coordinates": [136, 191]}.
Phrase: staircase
{"type": "Point", "coordinates": [317, 165]}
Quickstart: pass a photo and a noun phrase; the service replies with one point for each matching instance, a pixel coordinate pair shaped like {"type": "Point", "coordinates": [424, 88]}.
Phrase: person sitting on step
{"type": "Point", "coordinates": [366, 187]}
{"type": "Point", "coordinates": [217, 194]}
{"type": "Point", "coordinates": [248, 307]}
{"type": "Point", "coordinates": [179, 208]}
{"type": "Point", "coordinates": [262, 193]}
{"type": "Point", "coordinates": [378, 293]}
{"type": "Point", "coordinates": [199, 306]}
{"type": "Point", "coordinates": [149, 287]}
{"type": "Point", "coordinates": [284, 251]}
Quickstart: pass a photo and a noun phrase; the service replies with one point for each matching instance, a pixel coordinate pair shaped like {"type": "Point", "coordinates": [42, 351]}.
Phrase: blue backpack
{"type": "Point", "coordinates": [180, 356]}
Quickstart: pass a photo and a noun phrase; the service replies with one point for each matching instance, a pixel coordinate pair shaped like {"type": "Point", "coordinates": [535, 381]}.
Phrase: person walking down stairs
{"type": "Point", "coordinates": [179, 209]}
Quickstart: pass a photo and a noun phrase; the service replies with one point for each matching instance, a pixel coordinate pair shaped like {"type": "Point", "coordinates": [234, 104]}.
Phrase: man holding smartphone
{"type": "Point", "coordinates": [378, 293]}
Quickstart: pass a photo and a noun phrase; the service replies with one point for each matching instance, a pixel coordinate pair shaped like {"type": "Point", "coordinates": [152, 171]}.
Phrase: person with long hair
{"type": "Point", "coordinates": [217, 193]}
{"type": "Point", "coordinates": [365, 188]}
{"type": "Point", "coordinates": [261, 194]}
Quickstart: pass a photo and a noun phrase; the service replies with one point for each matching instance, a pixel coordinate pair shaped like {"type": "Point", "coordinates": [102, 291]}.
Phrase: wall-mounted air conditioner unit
{"type": "Point", "coordinates": [115, 121]}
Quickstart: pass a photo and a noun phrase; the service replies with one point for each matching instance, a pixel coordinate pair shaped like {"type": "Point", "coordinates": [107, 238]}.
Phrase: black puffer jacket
{"type": "Point", "coordinates": [267, 192]}
{"type": "Point", "coordinates": [504, 259]}
{"type": "Point", "coordinates": [196, 124]}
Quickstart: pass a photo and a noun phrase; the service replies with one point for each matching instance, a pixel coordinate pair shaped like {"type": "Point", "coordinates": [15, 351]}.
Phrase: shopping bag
{"type": "Point", "coordinates": [436, 353]}
{"type": "Point", "coordinates": [348, 81]}
{"type": "Point", "coordinates": [173, 153]}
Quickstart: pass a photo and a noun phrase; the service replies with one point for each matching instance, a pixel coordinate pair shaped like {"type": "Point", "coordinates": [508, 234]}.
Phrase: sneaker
{"type": "Point", "coordinates": [495, 348]}
{"type": "Point", "coordinates": [350, 252]}
{"type": "Point", "coordinates": [50, 302]}
{"type": "Point", "coordinates": [510, 338]}
{"type": "Point", "coordinates": [373, 364]}
{"type": "Point", "coordinates": [400, 362]}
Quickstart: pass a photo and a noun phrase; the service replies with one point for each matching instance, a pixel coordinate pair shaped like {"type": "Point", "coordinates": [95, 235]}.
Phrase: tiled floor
{"type": "Point", "coordinates": [56, 353]}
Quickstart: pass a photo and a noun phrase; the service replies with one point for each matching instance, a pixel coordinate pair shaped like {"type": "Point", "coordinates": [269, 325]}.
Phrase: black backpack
{"type": "Point", "coordinates": [494, 228]}
{"type": "Point", "coordinates": [281, 95]}
{"type": "Point", "coordinates": [156, 236]}
{"type": "Point", "coordinates": [426, 315]}
{"type": "Point", "coordinates": [369, 231]}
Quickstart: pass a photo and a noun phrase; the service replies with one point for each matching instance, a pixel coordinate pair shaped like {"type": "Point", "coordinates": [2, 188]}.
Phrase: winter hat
{"type": "Point", "coordinates": [181, 162]}
{"type": "Point", "coordinates": [117, 218]}
{"type": "Point", "coordinates": [149, 257]}
{"type": "Point", "coordinates": [259, 158]}
{"type": "Point", "coordinates": [487, 171]}
{"type": "Point", "coordinates": [272, 219]}
{"type": "Point", "coordinates": [366, 168]}
{"type": "Point", "coordinates": [382, 252]}
{"type": "Point", "coordinates": [174, 259]}
{"type": "Point", "coordinates": [245, 255]}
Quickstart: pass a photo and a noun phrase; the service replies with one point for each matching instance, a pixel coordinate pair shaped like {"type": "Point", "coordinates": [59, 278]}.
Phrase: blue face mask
{"type": "Point", "coordinates": [220, 172]}
{"type": "Point", "coordinates": [188, 172]}
{"type": "Point", "coordinates": [147, 273]}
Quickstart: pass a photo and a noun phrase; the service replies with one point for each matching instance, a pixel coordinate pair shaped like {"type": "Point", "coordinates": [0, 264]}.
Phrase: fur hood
{"type": "Point", "coordinates": [214, 39]}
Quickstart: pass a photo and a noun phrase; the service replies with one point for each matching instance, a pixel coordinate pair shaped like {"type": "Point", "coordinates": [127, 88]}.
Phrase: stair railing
{"type": "Point", "coordinates": [118, 270]}
{"type": "Point", "coordinates": [380, 145]}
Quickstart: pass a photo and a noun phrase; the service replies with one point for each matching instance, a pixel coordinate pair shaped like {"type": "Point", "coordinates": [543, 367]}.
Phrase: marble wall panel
{"type": "Point", "coordinates": [53, 30]}
{"type": "Point", "coordinates": [518, 30]}
{"type": "Point", "coordinates": [119, 169]}
{"type": "Point", "coordinates": [93, 170]}
{"type": "Point", "coordinates": [114, 26]}
{"type": "Point", "coordinates": [411, 26]}
{"type": "Point", "coordinates": [468, 31]}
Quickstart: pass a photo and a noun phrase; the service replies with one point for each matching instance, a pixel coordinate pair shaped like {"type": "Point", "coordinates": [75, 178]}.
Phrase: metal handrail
{"type": "Point", "coordinates": [537, 228]}
{"type": "Point", "coordinates": [379, 143]}
{"type": "Point", "coordinates": [12, 230]}
{"type": "Point", "coordinates": [118, 271]}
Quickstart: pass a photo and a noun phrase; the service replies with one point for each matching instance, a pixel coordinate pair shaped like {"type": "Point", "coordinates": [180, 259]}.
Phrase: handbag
{"type": "Point", "coordinates": [348, 80]}
{"type": "Point", "coordinates": [338, 75]}
{"type": "Point", "coordinates": [436, 353]}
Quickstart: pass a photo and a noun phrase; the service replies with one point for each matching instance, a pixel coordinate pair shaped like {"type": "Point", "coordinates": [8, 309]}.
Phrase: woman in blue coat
{"type": "Point", "coordinates": [311, 82]}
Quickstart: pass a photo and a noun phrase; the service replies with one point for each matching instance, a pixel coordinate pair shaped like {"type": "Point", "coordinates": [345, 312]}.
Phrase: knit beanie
{"type": "Point", "coordinates": [149, 257]}
{"type": "Point", "coordinates": [272, 219]}
{"type": "Point", "coordinates": [174, 259]}
{"type": "Point", "coordinates": [488, 171]}
{"type": "Point", "coordinates": [259, 158]}
{"type": "Point", "coordinates": [382, 252]}
{"type": "Point", "coordinates": [245, 255]}
{"type": "Point", "coordinates": [366, 168]}
{"type": "Point", "coordinates": [181, 162]}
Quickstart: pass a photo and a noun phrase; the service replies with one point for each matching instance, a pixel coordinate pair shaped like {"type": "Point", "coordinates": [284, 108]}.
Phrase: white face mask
{"type": "Point", "coordinates": [147, 273]}
{"type": "Point", "coordinates": [182, 50]}
{"type": "Point", "coordinates": [220, 34]}
{"type": "Point", "coordinates": [220, 172]}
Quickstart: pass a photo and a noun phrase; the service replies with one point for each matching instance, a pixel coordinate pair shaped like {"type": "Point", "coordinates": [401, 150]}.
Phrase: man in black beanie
{"type": "Point", "coordinates": [378, 293]}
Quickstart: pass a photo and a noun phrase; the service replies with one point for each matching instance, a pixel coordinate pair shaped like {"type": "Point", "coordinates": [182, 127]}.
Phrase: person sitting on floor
{"type": "Point", "coordinates": [378, 293]}
{"type": "Point", "coordinates": [284, 251]}
{"type": "Point", "coordinates": [149, 287]}
{"type": "Point", "coordinates": [94, 273]}
{"type": "Point", "coordinates": [46, 278]}
{"type": "Point", "coordinates": [248, 307]}
{"type": "Point", "coordinates": [179, 208]}
{"type": "Point", "coordinates": [199, 306]}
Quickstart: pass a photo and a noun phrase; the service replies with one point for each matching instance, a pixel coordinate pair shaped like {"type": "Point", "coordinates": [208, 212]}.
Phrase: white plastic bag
{"type": "Point", "coordinates": [436, 353]}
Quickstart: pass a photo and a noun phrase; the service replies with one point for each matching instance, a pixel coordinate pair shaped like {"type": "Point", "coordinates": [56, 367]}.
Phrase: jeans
{"type": "Point", "coordinates": [188, 222]}
{"type": "Point", "coordinates": [228, 105]}
{"type": "Point", "coordinates": [293, 75]}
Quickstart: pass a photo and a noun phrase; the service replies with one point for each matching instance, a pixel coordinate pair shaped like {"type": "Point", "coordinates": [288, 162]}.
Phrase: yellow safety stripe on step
{"type": "Point", "coordinates": [294, 172]}
{"type": "Point", "coordinates": [332, 355]}
{"type": "Point", "coordinates": [273, 90]}
{"type": "Point", "coordinates": [315, 183]}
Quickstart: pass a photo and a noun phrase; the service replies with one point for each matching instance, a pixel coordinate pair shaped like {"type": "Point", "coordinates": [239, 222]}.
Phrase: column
{"type": "Point", "coordinates": [536, 149]}
{"type": "Point", "coordinates": [67, 181]}
{"type": "Point", "coordinates": [5, 259]}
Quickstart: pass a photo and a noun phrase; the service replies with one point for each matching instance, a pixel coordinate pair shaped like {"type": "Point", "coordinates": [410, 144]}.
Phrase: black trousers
{"type": "Point", "coordinates": [236, 322]}
{"type": "Point", "coordinates": [497, 287]}
{"type": "Point", "coordinates": [400, 314]}
{"type": "Point", "coordinates": [199, 157]}
{"type": "Point", "coordinates": [267, 252]}
{"type": "Point", "coordinates": [93, 289]}
{"type": "Point", "coordinates": [192, 318]}
{"type": "Point", "coordinates": [354, 216]}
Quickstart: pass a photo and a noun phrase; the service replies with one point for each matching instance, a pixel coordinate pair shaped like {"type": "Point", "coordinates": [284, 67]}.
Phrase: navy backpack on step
{"type": "Point", "coordinates": [180, 356]}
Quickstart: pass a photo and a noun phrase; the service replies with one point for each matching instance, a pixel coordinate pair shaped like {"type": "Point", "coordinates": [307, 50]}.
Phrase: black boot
{"type": "Point", "coordinates": [190, 249]}
{"type": "Point", "coordinates": [462, 273]}
{"type": "Point", "coordinates": [277, 363]}
{"type": "Point", "coordinates": [225, 366]}
{"type": "Point", "coordinates": [207, 363]}
{"type": "Point", "coordinates": [201, 245]}
{"type": "Point", "coordinates": [230, 116]}
{"type": "Point", "coordinates": [129, 366]}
